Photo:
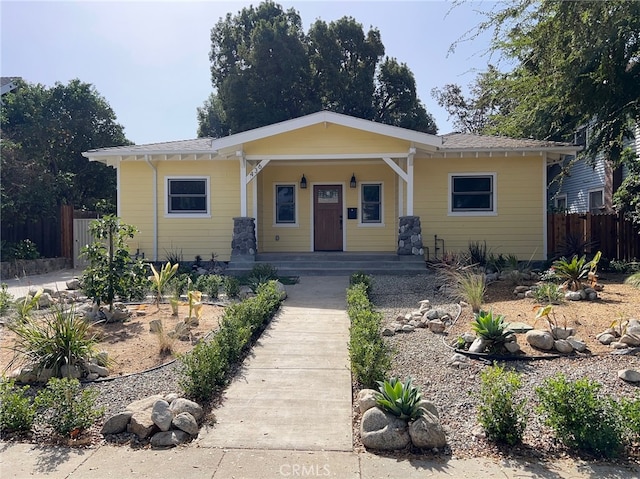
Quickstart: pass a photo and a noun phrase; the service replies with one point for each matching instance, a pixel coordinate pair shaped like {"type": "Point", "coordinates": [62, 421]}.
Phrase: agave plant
{"type": "Point", "coordinates": [400, 399]}
{"type": "Point", "coordinates": [490, 327]}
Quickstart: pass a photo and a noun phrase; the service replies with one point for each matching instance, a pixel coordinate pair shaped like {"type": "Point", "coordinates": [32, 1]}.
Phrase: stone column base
{"type": "Point", "coordinates": [410, 236]}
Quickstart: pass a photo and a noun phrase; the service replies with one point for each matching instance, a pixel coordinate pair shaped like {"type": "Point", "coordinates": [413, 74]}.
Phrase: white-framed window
{"type": "Point", "coordinates": [560, 203]}
{"type": "Point", "coordinates": [371, 206]}
{"type": "Point", "coordinates": [285, 211]}
{"type": "Point", "coordinates": [596, 201]}
{"type": "Point", "coordinates": [187, 196]}
{"type": "Point", "coordinates": [472, 194]}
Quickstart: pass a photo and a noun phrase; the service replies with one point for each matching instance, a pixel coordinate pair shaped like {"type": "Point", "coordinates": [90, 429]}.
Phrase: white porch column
{"type": "Point", "coordinates": [243, 183]}
{"type": "Point", "coordinates": [412, 151]}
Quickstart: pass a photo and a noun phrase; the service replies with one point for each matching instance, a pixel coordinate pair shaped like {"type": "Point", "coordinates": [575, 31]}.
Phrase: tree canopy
{"type": "Point", "coordinates": [266, 69]}
{"type": "Point", "coordinates": [44, 131]}
{"type": "Point", "coordinates": [576, 64]}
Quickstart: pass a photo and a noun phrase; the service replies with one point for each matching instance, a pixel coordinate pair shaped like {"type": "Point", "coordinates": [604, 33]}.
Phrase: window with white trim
{"type": "Point", "coordinates": [285, 204]}
{"type": "Point", "coordinates": [472, 193]}
{"type": "Point", "coordinates": [187, 196]}
{"type": "Point", "coordinates": [371, 197]}
{"type": "Point", "coordinates": [596, 201]}
{"type": "Point", "coordinates": [560, 203]}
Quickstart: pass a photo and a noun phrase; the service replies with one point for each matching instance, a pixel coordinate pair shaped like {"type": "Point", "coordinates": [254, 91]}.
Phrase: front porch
{"type": "Point", "coordinates": [333, 263]}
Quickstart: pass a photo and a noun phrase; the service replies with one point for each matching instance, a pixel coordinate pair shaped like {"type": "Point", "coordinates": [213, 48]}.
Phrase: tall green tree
{"type": "Point", "coordinates": [259, 70]}
{"type": "Point", "coordinates": [265, 69]}
{"type": "Point", "coordinates": [44, 132]}
{"type": "Point", "coordinates": [576, 63]}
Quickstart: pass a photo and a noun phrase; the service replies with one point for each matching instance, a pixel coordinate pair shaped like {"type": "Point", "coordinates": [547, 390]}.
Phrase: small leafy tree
{"type": "Point", "coordinates": [112, 272]}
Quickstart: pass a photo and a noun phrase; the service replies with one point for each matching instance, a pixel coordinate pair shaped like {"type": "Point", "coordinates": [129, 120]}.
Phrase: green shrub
{"type": "Point", "coordinates": [66, 407]}
{"type": "Point", "coordinates": [369, 354]}
{"type": "Point", "coordinates": [60, 338]}
{"type": "Point", "coordinates": [580, 417]}
{"type": "Point", "coordinates": [6, 299]}
{"type": "Point", "coordinates": [205, 367]}
{"type": "Point", "coordinates": [548, 293]}
{"type": "Point", "coordinates": [209, 284]}
{"type": "Point", "coordinates": [500, 413]}
{"type": "Point", "coordinates": [25, 249]}
{"type": "Point", "coordinates": [231, 286]}
{"type": "Point", "coordinates": [400, 399]}
{"type": "Point", "coordinates": [202, 370]}
{"type": "Point", "coordinates": [362, 278]}
{"type": "Point", "coordinates": [630, 412]}
{"type": "Point", "coordinates": [17, 412]}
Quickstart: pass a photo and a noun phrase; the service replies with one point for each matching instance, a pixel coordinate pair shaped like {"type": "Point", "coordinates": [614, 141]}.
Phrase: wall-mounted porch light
{"type": "Point", "coordinates": [352, 183]}
{"type": "Point", "coordinates": [303, 182]}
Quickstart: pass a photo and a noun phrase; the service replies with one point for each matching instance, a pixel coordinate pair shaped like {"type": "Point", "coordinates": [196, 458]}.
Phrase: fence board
{"type": "Point", "coordinates": [587, 233]}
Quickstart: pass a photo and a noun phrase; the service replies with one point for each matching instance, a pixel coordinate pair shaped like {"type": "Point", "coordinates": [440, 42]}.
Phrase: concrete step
{"type": "Point", "coordinates": [333, 264]}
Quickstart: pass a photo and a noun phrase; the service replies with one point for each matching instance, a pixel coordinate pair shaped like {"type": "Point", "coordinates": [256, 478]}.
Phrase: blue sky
{"type": "Point", "coordinates": [149, 59]}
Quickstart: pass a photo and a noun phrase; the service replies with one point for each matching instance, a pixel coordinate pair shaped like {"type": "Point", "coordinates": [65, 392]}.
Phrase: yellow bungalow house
{"type": "Point", "coordinates": [331, 182]}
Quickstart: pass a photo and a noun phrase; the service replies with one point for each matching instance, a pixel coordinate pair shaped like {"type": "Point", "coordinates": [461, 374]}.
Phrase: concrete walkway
{"type": "Point", "coordinates": [287, 415]}
{"type": "Point", "coordinates": [294, 392]}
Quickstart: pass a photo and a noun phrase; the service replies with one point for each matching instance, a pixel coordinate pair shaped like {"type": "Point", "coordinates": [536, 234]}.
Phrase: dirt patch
{"type": "Point", "coordinates": [618, 301]}
{"type": "Point", "coordinates": [130, 345]}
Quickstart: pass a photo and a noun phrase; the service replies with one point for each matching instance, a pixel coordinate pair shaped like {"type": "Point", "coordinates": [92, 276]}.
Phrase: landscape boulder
{"type": "Point", "coordinates": [383, 431]}
{"type": "Point", "coordinates": [540, 339]}
{"type": "Point", "coordinates": [426, 432]}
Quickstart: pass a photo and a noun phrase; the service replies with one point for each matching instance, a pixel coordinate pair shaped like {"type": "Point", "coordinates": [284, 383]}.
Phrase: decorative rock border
{"type": "Point", "coordinates": [166, 420]}
{"type": "Point", "coordinates": [436, 320]}
{"type": "Point", "coordinates": [382, 430]}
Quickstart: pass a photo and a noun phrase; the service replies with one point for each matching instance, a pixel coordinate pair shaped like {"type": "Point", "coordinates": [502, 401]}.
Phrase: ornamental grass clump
{"type": "Point", "coordinates": [502, 415]}
{"type": "Point", "coordinates": [61, 338]}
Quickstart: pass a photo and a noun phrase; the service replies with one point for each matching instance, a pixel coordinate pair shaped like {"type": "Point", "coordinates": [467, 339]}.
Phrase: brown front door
{"type": "Point", "coordinates": [327, 217]}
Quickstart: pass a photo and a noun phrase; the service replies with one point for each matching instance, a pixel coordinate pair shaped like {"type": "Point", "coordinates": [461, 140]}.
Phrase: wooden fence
{"type": "Point", "coordinates": [585, 233]}
{"type": "Point", "coordinates": [53, 237]}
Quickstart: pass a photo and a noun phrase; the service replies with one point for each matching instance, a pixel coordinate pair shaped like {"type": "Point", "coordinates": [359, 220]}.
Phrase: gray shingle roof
{"type": "Point", "coordinates": [460, 141]}
{"type": "Point", "coordinates": [180, 146]}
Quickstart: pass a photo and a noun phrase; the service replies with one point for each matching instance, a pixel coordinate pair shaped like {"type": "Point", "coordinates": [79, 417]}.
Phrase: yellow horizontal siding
{"type": "Point", "coordinates": [325, 139]}
{"type": "Point", "coordinates": [518, 227]}
{"type": "Point", "coordinates": [298, 238]}
{"type": "Point", "coordinates": [191, 236]}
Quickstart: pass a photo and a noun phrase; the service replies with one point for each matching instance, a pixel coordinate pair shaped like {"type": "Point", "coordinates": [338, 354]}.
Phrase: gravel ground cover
{"type": "Point", "coordinates": [425, 357]}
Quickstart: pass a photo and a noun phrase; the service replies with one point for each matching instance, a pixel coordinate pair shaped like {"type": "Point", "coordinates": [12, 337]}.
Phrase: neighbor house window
{"type": "Point", "coordinates": [472, 193]}
{"type": "Point", "coordinates": [560, 203]}
{"type": "Point", "coordinates": [187, 196]}
{"type": "Point", "coordinates": [596, 201]}
{"type": "Point", "coordinates": [285, 204]}
{"type": "Point", "coordinates": [371, 195]}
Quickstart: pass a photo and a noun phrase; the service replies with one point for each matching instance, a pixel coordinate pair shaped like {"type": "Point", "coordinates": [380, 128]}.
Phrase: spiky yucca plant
{"type": "Point", "coordinates": [400, 399]}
